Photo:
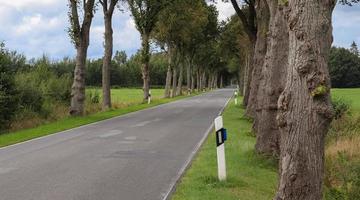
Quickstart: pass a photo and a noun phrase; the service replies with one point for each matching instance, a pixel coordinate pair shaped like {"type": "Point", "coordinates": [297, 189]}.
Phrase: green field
{"type": "Point", "coordinates": [351, 95]}
{"type": "Point", "coordinates": [128, 95]}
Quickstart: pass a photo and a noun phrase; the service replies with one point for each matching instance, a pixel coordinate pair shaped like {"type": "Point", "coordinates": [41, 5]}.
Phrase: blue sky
{"type": "Point", "coordinates": [35, 27]}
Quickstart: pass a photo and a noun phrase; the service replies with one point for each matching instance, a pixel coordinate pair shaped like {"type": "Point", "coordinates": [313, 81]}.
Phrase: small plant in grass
{"type": "Point", "coordinates": [94, 97]}
{"type": "Point", "coordinates": [341, 107]}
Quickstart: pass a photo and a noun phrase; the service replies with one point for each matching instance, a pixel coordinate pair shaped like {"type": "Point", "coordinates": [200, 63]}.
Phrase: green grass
{"type": "Point", "coordinates": [128, 95]}
{"type": "Point", "coordinates": [73, 122]}
{"type": "Point", "coordinates": [249, 176]}
{"type": "Point", "coordinates": [352, 95]}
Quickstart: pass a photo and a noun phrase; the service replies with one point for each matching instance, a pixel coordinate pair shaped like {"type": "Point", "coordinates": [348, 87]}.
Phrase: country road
{"type": "Point", "coordinates": [138, 156]}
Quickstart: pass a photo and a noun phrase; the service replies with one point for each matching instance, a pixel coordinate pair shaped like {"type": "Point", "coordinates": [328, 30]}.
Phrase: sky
{"type": "Point", "coordinates": [37, 27]}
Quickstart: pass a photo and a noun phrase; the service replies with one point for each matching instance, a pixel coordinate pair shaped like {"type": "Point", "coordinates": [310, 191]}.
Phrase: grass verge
{"type": "Point", "coordinates": [73, 122]}
{"type": "Point", "coordinates": [249, 176]}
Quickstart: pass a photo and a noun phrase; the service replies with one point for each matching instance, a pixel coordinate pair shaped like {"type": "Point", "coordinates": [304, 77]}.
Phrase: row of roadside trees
{"type": "Point", "coordinates": [287, 86]}
{"type": "Point", "coordinates": [186, 30]}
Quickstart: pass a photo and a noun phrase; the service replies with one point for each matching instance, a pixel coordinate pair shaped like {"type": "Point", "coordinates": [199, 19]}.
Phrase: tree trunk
{"type": "Point", "coordinates": [304, 106]}
{"type": "Point", "coordinates": [209, 83]}
{"type": "Point", "coordinates": [263, 17]}
{"type": "Point", "coordinates": [216, 81]}
{"type": "Point", "coordinates": [168, 76]}
{"type": "Point", "coordinates": [173, 92]}
{"type": "Point", "coordinates": [180, 81]}
{"type": "Point", "coordinates": [221, 82]}
{"type": "Point", "coordinates": [192, 82]}
{"type": "Point", "coordinates": [146, 66]}
{"type": "Point", "coordinates": [240, 77]}
{"type": "Point", "coordinates": [271, 86]}
{"type": "Point", "coordinates": [107, 62]}
{"type": "Point", "coordinates": [198, 80]}
{"type": "Point", "coordinates": [203, 84]}
{"type": "Point", "coordinates": [246, 76]}
{"type": "Point", "coordinates": [78, 87]}
{"type": "Point", "coordinates": [188, 77]}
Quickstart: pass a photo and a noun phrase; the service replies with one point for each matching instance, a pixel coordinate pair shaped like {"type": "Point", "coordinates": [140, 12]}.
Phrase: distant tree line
{"type": "Point", "coordinates": [344, 66]}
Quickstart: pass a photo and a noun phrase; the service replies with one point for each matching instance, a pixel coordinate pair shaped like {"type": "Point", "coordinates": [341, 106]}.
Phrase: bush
{"type": "Point", "coordinates": [93, 97]}
{"type": "Point", "coordinates": [342, 177]}
{"type": "Point", "coordinates": [8, 97]}
{"type": "Point", "coordinates": [29, 91]}
{"type": "Point", "coordinates": [340, 106]}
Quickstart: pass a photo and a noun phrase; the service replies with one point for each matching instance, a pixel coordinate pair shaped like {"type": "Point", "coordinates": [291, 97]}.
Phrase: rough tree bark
{"type": "Point", "coordinates": [198, 80]}
{"type": "Point", "coordinates": [80, 37]}
{"type": "Point", "coordinates": [181, 79]}
{"type": "Point", "coordinates": [188, 76]}
{"type": "Point", "coordinates": [304, 106]}
{"type": "Point", "coordinates": [263, 17]}
{"type": "Point", "coordinates": [221, 81]}
{"type": "Point", "coordinates": [174, 82]}
{"type": "Point", "coordinates": [272, 83]}
{"type": "Point", "coordinates": [145, 65]}
{"type": "Point", "coordinates": [192, 82]}
{"type": "Point", "coordinates": [168, 75]}
{"type": "Point", "coordinates": [108, 10]}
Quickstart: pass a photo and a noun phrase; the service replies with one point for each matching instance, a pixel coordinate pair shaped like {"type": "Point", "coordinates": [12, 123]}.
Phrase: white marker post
{"type": "Point", "coordinates": [149, 97]}
{"type": "Point", "coordinates": [220, 139]}
{"type": "Point", "coordinates": [236, 95]}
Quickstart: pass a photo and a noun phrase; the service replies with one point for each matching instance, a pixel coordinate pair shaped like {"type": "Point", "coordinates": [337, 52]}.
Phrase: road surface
{"type": "Point", "coordinates": [138, 156]}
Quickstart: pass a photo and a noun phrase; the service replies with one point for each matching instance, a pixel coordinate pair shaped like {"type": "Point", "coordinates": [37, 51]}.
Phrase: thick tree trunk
{"type": "Point", "coordinates": [192, 82]}
{"type": "Point", "coordinates": [240, 77]}
{"type": "Point", "coordinates": [216, 86]}
{"type": "Point", "coordinates": [304, 106]}
{"type": "Point", "coordinates": [246, 77]}
{"type": "Point", "coordinates": [107, 62]}
{"type": "Point", "coordinates": [198, 80]}
{"type": "Point", "coordinates": [209, 83]}
{"type": "Point", "coordinates": [188, 77]}
{"type": "Point", "coordinates": [180, 81]}
{"type": "Point", "coordinates": [203, 84]}
{"type": "Point", "coordinates": [78, 87]}
{"type": "Point", "coordinates": [174, 82]}
{"type": "Point", "coordinates": [168, 76]}
{"type": "Point", "coordinates": [263, 17]}
{"type": "Point", "coordinates": [146, 66]}
{"type": "Point", "coordinates": [272, 83]}
{"type": "Point", "coordinates": [221, 82]}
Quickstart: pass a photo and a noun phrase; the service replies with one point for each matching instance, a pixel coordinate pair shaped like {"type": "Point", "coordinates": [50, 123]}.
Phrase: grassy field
{"type": "Point", "coordinates": [250, 177]}
{"type": "Point", "coordinates": [128, 95]}
{"type": "Point", "coordinates": [351, 95]}
{"type": "Point", "coordinates": [133, 97]}
{"type": "Point", "coordinates": [253, 177]}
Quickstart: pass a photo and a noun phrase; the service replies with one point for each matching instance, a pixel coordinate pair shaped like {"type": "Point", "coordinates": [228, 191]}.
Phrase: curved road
{"type": "Point", "coordinates": [138, 156]}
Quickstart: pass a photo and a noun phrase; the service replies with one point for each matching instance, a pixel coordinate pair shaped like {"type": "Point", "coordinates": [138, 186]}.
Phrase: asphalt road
{"type": "Point", "coordinates": [138, 156]}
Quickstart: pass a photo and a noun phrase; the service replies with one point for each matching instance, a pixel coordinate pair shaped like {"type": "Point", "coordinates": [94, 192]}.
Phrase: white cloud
{"type": "Point", "coordinates": [226, 10]}
{"type": "Point", "coordinates": [35, 27]}
{"type": "Point", "coordinates": [21, 4]}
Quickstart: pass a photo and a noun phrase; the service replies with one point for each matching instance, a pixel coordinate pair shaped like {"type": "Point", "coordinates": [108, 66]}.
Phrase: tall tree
{"type": "Point", "coordinates": [79, 33]}
{"type": "Point", "coordinates": [179, 27]}
{"type": "Point", "coordinates": [304, 106]}
{"type": "Point", "coordinates": [145, 14]}
{"type": "Point", "coordinates": [247, 15]}
{"type": "Point", "coordinates": [272, 81]}
{"type": "Point", "coordinates": [354, 49]}
{"type": "Point", "coordinates": [108, 10]}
